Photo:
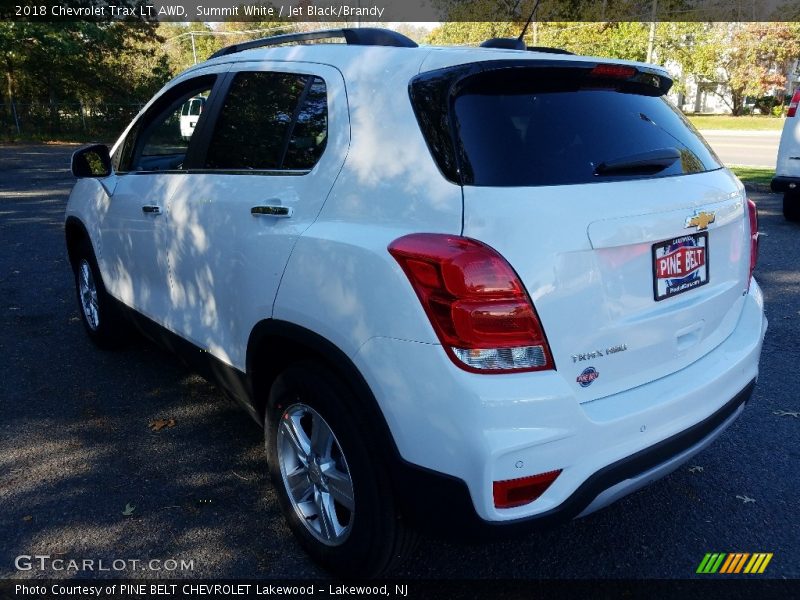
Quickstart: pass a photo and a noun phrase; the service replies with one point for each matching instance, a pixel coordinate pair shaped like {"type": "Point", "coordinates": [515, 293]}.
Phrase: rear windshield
{"type": "Point", "coordinates": [532, 131]}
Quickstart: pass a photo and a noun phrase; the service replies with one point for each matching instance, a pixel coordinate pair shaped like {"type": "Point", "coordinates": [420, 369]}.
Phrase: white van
{"type": "Point", "coordinates": [787, 171]}
{"type": "Point", "coordinates": [190, 114]}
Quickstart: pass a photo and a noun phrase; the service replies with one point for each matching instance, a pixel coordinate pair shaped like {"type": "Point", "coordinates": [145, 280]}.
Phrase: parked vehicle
{"type": "Point", "coordinates": [787, 170]}
{"type": "Point", "coordinates": [190, 114]}
{"type": "Point", "coordinates": [477, 288]}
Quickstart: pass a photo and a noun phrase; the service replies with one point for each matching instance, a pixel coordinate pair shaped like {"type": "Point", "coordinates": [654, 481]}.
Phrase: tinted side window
{"type": "Point", "coordinates": [171, 134]}
{"type": "Point", "coordinates": [310, 132]}
{"type": "Point", "coordinates": [159, 140]}
{"type": "Point", "coordinates": [270, 121]}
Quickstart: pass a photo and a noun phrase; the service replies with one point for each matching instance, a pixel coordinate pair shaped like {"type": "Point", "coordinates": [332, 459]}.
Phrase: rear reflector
{"type": "Point", "coordinates": [793, 104]}
{"type": "Point", "coordinates": [752, 213]}
{"type": "Point", "coordinates": [477, 305]}
{"type": "Point", "coordinates": [517, 492]}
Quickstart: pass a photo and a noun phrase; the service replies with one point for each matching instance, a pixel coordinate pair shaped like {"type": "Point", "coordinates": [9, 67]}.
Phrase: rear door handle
{"type": "Point", "coordinates": [270, 210]}
{"type": "Point", "coordinates": [151, 209]}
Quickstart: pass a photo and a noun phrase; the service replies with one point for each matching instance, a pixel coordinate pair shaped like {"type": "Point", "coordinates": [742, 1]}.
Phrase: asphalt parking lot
{"type": "Point", "coordinates": [77, 450]}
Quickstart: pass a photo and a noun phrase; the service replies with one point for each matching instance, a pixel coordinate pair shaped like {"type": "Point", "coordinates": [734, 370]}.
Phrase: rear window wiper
{"type": "Point", "coordinates": [648, 162]}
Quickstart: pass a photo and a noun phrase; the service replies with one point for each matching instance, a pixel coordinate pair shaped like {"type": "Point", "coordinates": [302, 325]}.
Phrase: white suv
{"type": "Point", "coordinates": [473, 287]}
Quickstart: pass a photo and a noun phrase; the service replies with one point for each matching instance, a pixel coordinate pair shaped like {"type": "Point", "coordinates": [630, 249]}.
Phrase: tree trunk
{"type": "Point", "coordinates": [10, 90]}
{"type": "Point", "coordinates": [54, 117]}
{"type": "Point", "coordinates": [737, 103]}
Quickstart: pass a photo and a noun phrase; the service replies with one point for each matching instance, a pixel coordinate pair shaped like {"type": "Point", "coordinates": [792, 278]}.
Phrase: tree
{"type": "Point", "coordinates": [187, 44]}
{"type": "Point", "coordinates": [757, 60]}
{"type": "Point", "coordinates": [78, 62]}
{"type": "Point", "coordinates": [464, 32]}
{"type": "Point", "coordinates": [625, 40]}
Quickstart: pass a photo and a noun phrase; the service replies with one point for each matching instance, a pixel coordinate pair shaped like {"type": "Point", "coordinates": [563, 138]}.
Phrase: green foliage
{"type": "Point", "coordinates": [757, 58]}
{"type": "Point", "coordinates": [92, 66]}
{"type": "Point", "coordinates": [466, 32]}
{"type": "Point", "coordinates": [82, 64]}
{"type": "Point", "coordinates": [733, 60]}
{"type": "Point", "coordinates": [187, 44]}
{"type": "Point", "coordinates": [623, 40]}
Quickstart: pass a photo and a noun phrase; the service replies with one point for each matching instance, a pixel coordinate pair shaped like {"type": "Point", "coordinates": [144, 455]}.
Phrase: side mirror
{"type": "Point", "coordinates": [92, 161]}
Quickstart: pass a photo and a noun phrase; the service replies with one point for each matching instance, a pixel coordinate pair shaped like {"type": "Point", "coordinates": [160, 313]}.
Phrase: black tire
{"type": "Point", "coordinates": [374, 539]}
{"type": "Point", "coordinates": [103, 322]}
{"type": "Point", "coordinates": [791, 206]}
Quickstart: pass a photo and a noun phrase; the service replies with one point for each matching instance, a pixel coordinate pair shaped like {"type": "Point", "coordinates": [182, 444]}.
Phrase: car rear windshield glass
{"type": "Point", "coordinates": [527, 131]}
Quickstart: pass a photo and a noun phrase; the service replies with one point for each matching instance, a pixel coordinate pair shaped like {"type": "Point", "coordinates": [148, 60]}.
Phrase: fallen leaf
{"type": "Point", "coordinates": [746, 499]}
{"type": "Point", "coordinates": [787, 413]}
{"type": "Point", "coordinates": [27, 518]}
{"type": "Point", "coordinates": [159, 424]}
{"type": "Point", "coordinates": [696, 469]}
{"type": "Point", "coordinates": [128, 510]}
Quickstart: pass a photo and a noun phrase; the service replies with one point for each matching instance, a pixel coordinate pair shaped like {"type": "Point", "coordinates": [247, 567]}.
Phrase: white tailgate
{"type": "Point", "coordinates": [586, 255]}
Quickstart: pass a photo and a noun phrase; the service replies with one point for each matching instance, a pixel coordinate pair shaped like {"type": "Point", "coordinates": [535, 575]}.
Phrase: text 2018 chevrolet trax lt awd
{"type": "Point", "coordinates": [477, 286]}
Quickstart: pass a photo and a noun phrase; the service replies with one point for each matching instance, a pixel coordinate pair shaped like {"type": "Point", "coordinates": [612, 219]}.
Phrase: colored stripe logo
{"type": "Point", "coordinates": [734, 562]}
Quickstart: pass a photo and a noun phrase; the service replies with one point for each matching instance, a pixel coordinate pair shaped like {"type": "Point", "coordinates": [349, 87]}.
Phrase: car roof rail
{"type": "Point", "coordinates": [361, 36]}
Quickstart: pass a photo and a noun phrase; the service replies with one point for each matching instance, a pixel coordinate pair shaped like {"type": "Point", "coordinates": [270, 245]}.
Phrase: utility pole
{"type": "Point", "coordinates": [194, 50]}
{"type": "Point", "coordinates": [652, 38]}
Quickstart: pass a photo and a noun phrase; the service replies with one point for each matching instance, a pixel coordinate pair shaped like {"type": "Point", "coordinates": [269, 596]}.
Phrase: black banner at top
{"type": "Point", "coordinates": [386, 11]}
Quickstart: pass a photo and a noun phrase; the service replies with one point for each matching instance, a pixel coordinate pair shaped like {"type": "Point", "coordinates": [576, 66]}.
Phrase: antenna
{"type": "Point", "coordinates": [527, 24]}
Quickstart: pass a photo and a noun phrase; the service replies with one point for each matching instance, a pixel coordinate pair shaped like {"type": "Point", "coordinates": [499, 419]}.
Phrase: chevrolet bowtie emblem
{"type": "Point", "coordinates": [700, 220]}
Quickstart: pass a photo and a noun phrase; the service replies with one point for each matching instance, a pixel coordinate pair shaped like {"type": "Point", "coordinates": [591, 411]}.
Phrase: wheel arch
{"type": "Point", "coordinates": [274, 344]}
{"type": "Point", "coordinates": [75, 233]}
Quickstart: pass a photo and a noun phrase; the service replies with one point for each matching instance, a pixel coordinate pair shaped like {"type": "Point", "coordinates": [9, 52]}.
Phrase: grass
{"type": "Point", "coordinates": [747, 123]}
{"type": "Point", "coordinates": [754, 174]}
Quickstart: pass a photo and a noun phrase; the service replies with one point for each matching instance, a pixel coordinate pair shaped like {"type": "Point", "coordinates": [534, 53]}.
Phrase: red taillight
{"type": "Point", "coordinates": [516, 492]}
{"type": "Point", "coordinates": [752, 212]}
{"type": "Point", "coordinates": [475, 302]}
{"type": "Point", "coordinates": [613, 71]}
{"type": "Point", "coordinates": [793, 104]}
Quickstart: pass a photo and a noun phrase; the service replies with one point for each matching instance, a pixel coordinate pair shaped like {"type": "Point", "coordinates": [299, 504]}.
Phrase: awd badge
{"type": "Point", "coordinates": [588, 376]}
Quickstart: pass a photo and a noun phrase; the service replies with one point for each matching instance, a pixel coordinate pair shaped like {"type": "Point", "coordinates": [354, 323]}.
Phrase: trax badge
{"type": "Point", "coordinates": [701, 220]}
{"type": "Point", "coordinates": [586, 378]}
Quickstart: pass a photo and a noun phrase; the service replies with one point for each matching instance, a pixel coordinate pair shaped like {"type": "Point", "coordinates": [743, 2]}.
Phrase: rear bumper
{"type": "Point", "coordinates": [603, 487]}
{"type": "Point", "coordinates": [457, 432]}
{"type": "Point", "coordinates": [782, 183]}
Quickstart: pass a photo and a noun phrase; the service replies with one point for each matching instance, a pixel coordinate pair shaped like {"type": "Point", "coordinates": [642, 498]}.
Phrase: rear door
{"type": "Point", "coordinates": [275, 145]}
{"type": "Point", "coordinates": [628, 234]}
